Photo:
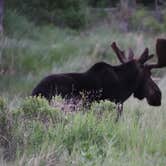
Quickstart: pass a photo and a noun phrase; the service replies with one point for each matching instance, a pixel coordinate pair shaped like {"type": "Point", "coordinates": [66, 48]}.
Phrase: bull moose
{"type": "Point", "coordinates": [104, 81]}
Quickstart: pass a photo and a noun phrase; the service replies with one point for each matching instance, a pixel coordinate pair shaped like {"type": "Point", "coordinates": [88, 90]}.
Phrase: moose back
{"type": "Point", "coordinates": [101, 81]}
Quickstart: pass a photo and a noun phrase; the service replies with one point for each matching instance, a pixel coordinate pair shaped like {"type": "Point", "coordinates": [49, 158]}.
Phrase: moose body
{"type": "Point", "coordinates": [104, 81]}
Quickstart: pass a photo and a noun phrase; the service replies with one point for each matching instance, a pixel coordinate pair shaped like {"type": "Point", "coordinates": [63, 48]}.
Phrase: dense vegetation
{"type": "Point", "coordinates": [75, 14]}
{"type": "Point", "coordinates": [38, 134]}
{"type": "Point", "coordinates": [32, 132]}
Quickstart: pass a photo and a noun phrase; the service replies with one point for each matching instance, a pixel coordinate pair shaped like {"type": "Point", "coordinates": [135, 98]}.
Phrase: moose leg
{"type": "Point", "coordinates": [119, 109]}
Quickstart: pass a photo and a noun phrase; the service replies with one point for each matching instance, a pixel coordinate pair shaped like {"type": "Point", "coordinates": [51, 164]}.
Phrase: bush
{"type": "Point", "coordinates": [152, 25]}
{"type": "Point", "coordinates": [102, 3]}
{"type": "Point", "coordinates": [70, 13]}
{"type": "Point", "coordinates": [17, 25]}
{"type": "Point", "coordinates": [142, 19]}
{"type": "Point", "coordinates": [137, 18]}
{"type": "Point", "coordinates": [39, 108]}
{"type": "Point", "coordinates": [7, 144]}
{"type": "Point", "coordinates": [74, 18]}
{"type": "Point", "coordinates": [32, 120]}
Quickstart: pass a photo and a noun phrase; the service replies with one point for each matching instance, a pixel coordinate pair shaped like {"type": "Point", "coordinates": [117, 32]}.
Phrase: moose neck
{"type": "Point", "coordinates": [128, 76]}
{"type": "Point", "coordinates": [127, 71]}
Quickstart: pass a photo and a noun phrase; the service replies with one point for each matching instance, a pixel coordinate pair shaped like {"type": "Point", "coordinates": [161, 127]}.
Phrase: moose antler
{"type": "Point", "coordinates": [145, 56]}
{"type": "Point", "coordinates": [160, 51]}
{"type": "Point", "coordinates": [120, 54]}
{"type": "Point", "coordinates": [161, 54]}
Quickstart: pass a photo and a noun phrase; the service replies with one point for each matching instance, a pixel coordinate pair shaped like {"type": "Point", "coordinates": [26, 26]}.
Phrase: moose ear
{"type": "Point", "coordinates": [161, 52]}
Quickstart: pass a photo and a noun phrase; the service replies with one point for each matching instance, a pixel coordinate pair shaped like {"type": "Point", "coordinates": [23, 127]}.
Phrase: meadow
{"type": "Point", "coordinates": [34, 133]}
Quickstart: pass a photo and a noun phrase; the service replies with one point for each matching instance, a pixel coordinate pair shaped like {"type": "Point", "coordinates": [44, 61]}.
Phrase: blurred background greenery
{"type": "Point", "coordinates": [42, 37]}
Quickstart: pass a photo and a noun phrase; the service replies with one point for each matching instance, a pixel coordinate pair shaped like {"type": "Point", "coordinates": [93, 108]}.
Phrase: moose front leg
{"type": "Point", "coordinates": [119, 110]}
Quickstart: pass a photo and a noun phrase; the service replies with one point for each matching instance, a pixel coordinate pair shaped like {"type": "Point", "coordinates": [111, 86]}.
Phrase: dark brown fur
{"type": "Point", "coordinates": [102, 81]}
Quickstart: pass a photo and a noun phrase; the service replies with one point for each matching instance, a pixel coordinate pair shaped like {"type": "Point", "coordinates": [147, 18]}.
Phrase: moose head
{"type": "Point", "coordinates": [146, 87]}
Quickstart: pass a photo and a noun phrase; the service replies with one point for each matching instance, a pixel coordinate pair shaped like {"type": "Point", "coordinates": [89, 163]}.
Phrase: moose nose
{"type": "Point", "coordinates": [155, 99]}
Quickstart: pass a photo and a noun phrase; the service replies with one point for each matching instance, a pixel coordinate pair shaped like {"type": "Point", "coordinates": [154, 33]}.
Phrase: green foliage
{"type": "Point", "coordinates": [142, 19]}
{"type": "Point", "coordinates": [86, 138]}
{"type": "Point", "coordinates": [16, 24]}
{"type": "Point", "coordinates": [101, 3]}
{"type": "Point", "coordinates": [137, 18]}
{"type": "Point", "coordinates": [3, 115]}
{"type": "Point", "coordinates": [83, 130]}
{"type": "Point", "coordinates": [73, 18]}
{"type": "Point", "coordinates": [152, 25]}
{"type": "Point", "coordinates": [34, 105]}
{"type": "Point", "coordinates": [64, 13]}
{"type": "Point", "coordinates": [36, 124]}
{"type": "Point", "coordinates": [2, 103]}
{"type": "Point", "coordinates": [164, 19]}
{"type": "Point", "coordinates": [39, 108]}
{"type": "Point", "coordinates": [26, 48]}
{"type": "Point", "coordinates": [7, 143]}
{"type": "Point", "coordinates": [36, 134]}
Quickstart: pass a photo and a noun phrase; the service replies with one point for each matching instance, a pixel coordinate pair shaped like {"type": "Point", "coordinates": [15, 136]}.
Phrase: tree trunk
{"type": "Point", "coordinates": [1, 15]}
{"type": "Point", "coordinates": [157, 11]}
{"type": "Point", "coordinates": [123, 4]}
{"type": "Point", "coordinates": [128, 3]}
{"type": "Point", "coordinates": [156, 5]}
{"type": "Point", "coordinates": [133, 3]}
{"type": "Point", "coordinates": [126, 8]}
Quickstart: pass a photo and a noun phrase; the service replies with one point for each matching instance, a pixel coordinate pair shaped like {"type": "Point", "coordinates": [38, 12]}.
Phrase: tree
{"type": "Point", "coordinates": [158, 12]}
{"type": "Point", "coordinates": [127, 3]}
{"type": "Point", "coordinates": [1, 15]}
{"type": "Point", "coordinates": [126, 9]}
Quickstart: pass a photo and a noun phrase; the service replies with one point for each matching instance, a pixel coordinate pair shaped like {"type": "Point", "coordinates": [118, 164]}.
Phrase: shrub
{"type": "Point", "coordinates": [68, 13]}
{"type": "Point", "coordinates": [7, 143]}
{"type": "Point", "coordinates": [74, 18]}
{"type": "Point", "coordinates": [84, 131]}
{"type": "Point", "coordinates": [137, 18]}
{"type": "Point", "coordinates": [152, 25]}
{"type": "Point", "coordinates": [101, 3]}
{"type": "Point", "coordinates": [38, 108]}
{"type": "Point", "coordinates": [142, 19]}
{"type": "Point", "coordinates": [17, 25]}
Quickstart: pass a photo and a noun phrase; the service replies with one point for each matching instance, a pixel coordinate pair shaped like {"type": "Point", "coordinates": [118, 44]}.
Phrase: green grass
{"type": "Point", "coordinates": [34, 133]}
{"type": "Point", "coordinates": [41, 134]}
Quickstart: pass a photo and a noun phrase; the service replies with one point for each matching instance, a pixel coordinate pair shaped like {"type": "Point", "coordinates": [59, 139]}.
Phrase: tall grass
{"type": "Point", "coordinates": [46, 135]}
